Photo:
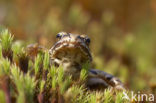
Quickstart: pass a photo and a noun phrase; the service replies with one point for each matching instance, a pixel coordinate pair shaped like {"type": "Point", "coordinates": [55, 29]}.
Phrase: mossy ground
{"type": "Point", "coordinates": [26, 78]}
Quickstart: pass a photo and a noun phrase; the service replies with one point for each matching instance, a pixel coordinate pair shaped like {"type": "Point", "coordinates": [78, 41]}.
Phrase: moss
{"type": "Point", "coordinates": [40, 82]}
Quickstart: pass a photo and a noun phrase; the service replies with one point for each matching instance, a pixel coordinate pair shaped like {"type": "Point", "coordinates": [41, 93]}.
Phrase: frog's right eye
{"type": "Point", "coordinates": [60, 35]}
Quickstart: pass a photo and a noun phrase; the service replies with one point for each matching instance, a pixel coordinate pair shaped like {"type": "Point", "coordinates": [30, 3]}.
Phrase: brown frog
{"type": "Point", "coordinates": [71, 51]}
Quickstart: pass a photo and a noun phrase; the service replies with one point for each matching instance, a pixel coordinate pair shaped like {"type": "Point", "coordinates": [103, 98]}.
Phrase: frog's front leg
{"type": "Point", "coordinates": [107, 78]}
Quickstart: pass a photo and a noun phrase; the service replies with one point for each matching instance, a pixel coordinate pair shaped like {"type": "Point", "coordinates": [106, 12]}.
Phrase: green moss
{"type": "Point", "coordinates": [6, 39]}
{"type": "Point", "coordinates": [43, 82]}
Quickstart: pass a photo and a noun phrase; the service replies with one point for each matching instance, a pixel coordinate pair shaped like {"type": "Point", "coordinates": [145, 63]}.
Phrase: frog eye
{"type": "Point", "coordinates": [60, 34]}
{"type": "Point", "coordinates": [87, 40]}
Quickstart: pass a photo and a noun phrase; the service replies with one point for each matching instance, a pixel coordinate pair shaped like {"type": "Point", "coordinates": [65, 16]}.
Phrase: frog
{"type": "Point", "coordinates": [72, 51]}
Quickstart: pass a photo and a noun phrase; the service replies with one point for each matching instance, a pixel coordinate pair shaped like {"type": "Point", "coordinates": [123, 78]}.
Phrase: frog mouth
{"type": "Point", "coordinates": [68, 47]}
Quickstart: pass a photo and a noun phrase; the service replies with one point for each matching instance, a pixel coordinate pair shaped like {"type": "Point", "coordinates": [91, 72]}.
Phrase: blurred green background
{"type": "Point", "coordinates": [122, 32]}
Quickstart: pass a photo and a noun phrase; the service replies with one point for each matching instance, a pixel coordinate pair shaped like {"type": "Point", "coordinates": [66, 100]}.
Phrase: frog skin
{"type": "Point", "coordinates": [71, 51]}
